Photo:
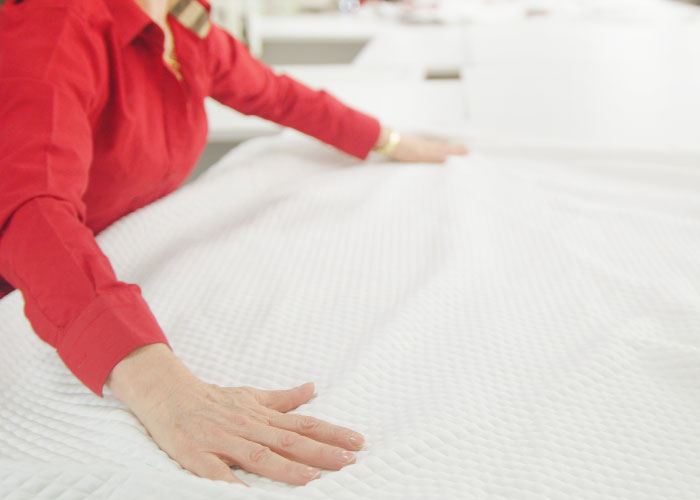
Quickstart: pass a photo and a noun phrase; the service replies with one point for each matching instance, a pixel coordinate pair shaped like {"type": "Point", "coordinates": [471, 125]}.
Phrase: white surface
{"type": "Point", "coordinates": [498, 328]}
{"type": "Point", "coordinates": [418, 47]}
{"type": "Point", "coordinates": [602, 85]}
{"type": "Point", "coordinates": [408, 105]}
{"type": "Point", "coordinates": [506, 11]}
{"type": "Point", "coordinates": [556, 42]}
{"type": "Point", "coordinates": [321, 27]}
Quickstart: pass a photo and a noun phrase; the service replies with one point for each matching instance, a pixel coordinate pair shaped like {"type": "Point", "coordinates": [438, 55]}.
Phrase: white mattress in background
{"type": "Point", "coordinates": [498, 328]}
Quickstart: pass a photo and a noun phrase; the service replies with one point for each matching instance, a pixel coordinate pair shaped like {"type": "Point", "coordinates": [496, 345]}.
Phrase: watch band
{"type": "Point", "coordinates": [391, 144]}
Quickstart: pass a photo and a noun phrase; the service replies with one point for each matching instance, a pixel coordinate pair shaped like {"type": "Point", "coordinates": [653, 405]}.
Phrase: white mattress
{"type": "Point", "coordinates": [498, 328]}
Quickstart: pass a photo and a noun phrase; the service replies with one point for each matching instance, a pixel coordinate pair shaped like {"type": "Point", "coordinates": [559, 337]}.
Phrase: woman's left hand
{"type": "Point", "coordinates": [417, 149]}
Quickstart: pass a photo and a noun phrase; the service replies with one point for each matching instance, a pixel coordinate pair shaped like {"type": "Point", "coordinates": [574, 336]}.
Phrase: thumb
{"type": "Point", "coordinates": [287, 400]}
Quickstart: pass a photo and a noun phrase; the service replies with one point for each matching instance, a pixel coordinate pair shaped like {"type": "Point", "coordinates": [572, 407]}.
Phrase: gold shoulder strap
{"type": "Point", "coordinates": [192, 15]}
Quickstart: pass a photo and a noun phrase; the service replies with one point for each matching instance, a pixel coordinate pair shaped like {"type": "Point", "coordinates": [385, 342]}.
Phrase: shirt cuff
{"type": "Point", "coordinates": [113, 325]}
{"type": "Point", "coordinates": [360, 135]}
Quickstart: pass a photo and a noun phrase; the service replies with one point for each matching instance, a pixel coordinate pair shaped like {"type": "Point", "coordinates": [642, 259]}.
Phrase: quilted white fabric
{"type": "Point", "coordinates": [498, 328]}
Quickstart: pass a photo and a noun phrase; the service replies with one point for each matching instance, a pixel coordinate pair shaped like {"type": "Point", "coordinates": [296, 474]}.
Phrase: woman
{"type": "Point", "coordinates": [101, 112]}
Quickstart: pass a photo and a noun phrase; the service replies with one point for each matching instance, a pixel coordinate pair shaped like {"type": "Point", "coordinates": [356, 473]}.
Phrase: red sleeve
{"type": "Point", "coordinates": [50, 68]}
{"type": "Point", "coordinates": [245, 84]}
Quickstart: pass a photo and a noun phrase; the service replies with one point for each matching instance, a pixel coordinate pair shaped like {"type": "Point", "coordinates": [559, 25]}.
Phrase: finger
{"type": "Point", "coordinates": [260, 459]}
{"type": "Point", "coordinates": [441, 150]}
{"type": "Point", "coordinates": [211, 467]}
{"type": "Point", "coordinates": [437, 155]}
{"type": "Point", "coordinates": [457, 149]}
{"type": "Point", "coordinates": [434, 152]}
{"type": "Point", "coordinates": [318, 430]}
{"type": "Point", "coordinates": [300, 448]}
{"type": "Point", "coordinates": [286, 400]}
{"type": "Point", "coordinates": [438, 158]}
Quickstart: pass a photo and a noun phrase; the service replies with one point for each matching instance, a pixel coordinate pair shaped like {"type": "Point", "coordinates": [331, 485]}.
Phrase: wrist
{"type": "Point", "coordinates": [388, 141]}
{"type": "Point", "coordinates": [382, 139]}
{"type": "Point", "coordinates": [146, 375]}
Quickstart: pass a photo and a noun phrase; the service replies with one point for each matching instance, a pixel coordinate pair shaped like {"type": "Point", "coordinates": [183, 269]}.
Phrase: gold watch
{"type": "Point", "coordinates": [391, 144]}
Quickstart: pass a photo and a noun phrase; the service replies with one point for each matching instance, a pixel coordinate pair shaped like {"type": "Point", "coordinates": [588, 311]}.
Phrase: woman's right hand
{"type": "Point", "coordinates": [207, 428]}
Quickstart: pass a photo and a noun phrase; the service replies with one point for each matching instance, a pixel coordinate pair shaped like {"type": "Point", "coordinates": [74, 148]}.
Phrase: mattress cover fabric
{"type": "Point", "coordinates": [498, 327]}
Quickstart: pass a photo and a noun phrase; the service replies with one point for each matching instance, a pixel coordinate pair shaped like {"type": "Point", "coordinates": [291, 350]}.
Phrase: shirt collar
{"type": "Point", "coordinates": [131, 20]}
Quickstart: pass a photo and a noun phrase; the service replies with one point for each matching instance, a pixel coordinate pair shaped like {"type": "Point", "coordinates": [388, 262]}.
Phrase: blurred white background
{"type": "Point", "coordinates": [605, 74]}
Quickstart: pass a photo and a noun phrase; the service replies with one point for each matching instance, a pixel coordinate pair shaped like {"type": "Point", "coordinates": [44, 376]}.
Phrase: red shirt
{"type": "Point", "coordinates": [93, 125]}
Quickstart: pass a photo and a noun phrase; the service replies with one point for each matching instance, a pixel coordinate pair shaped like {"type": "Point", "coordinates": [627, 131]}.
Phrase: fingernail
{"type": "Point", "coordinates": [311, 473]}
{"type": "Point", "coordinates": [356, 440]}
{"type": "Point", "coordinates": [345, 456]}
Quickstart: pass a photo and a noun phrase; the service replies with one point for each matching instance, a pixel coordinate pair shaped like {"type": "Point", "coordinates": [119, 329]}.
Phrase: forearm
{"type": "Point", "coordinates": [316, 113]}
{"type": "Point", "coordinates": [247, 85]}
{"type": "Point", "coordinates": [73, 299]}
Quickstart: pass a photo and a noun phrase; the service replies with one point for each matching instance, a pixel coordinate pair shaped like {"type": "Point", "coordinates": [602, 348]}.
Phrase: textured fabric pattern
{"type": "Point", "coordinates": [498, 328]}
